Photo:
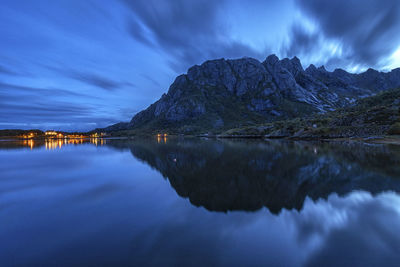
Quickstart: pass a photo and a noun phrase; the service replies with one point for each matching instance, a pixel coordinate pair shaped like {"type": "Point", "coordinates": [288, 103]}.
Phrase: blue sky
{"type": "Point", "coordinates": [79, 65]}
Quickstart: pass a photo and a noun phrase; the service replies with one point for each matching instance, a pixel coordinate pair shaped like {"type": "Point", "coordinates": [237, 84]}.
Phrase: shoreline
{"type": "Point", "coordinates": [392, 140]}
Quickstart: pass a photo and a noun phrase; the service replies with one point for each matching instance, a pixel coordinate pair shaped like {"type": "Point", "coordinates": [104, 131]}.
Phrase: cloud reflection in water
{"type": "Point", "coordinates": [231, 203]}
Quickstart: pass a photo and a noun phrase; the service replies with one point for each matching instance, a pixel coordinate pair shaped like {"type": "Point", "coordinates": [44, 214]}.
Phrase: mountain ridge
{"type": "Point", "coordinates": [221, 94]}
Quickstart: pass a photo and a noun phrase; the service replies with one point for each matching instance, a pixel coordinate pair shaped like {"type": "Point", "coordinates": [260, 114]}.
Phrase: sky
{"type": "Point", "coordinates": [76, 65]}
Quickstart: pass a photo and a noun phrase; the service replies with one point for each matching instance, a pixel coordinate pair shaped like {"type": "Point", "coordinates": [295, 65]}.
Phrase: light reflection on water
{"type": "Point", "coordinates": [52, 143]}
{"type": "Point", "coordinates": [194, 202]}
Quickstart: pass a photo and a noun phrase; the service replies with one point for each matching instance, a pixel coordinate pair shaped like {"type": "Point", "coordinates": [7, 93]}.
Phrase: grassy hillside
{"type": "Point", "coordinates": [377, 115]}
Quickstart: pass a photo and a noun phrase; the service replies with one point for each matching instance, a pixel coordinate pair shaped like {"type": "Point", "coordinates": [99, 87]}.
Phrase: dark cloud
{"type": "Point", "coordinates": [37, 109]}
{"type": "Point", "coordinates": [367, 30]}
{"type": "Point", "coordinates": [4, 70]}
{"type": "Point", "coordinates": [189, 31]}
{"type": "Point", "coordinates": [301, 41]}
{"type": "Point", "coordinates": [89, 78]}
{"type": "Point", "coordinates": [95, 80]}
{"type": "Point", "coordinates": [22, 102]}
{"type": "Point", "coordinates": [137, 32]}
{"type": "Point", "coordinates": [173, 22]}
{"type": "Point", "coordinates": [16, 90]}
{"type": "Point", "coordinates": [305, 44]}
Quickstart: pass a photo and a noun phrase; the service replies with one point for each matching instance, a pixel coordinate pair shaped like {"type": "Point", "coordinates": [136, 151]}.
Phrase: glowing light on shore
{"type": "Point", "coordinates": [55, 143]}
{"type": "Point", "coordinates": [162, 137]}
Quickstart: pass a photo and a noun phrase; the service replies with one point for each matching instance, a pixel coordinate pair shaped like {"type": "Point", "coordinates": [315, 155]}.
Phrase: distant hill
{"type": "Point", "coordinates": [223, 94]}
{"type": "Point", "coordinates": [17, 132]}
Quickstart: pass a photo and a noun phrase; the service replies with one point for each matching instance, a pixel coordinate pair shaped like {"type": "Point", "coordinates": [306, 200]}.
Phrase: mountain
{"type": "Point", "coordinates": [223, 94]}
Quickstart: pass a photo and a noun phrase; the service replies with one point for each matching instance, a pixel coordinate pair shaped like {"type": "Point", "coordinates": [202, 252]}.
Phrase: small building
{"type": "Point", "coordinates": [51, 133]}
{"type": "Point", "coordinates": [98, 135]}
{"type": "Point", "coordinates": [29, 135]}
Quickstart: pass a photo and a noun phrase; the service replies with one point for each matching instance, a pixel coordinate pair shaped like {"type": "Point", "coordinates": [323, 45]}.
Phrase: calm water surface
{"type": "Point", "coordinates": [192, 202]}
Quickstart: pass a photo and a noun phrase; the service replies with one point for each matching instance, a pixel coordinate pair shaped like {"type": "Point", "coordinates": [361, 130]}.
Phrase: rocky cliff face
{"type": "Point", "coordinates": [221, 94]}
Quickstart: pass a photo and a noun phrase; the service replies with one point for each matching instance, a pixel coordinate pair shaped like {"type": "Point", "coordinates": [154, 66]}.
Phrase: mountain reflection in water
{"type": "Point", "coordinates": [247, 175]}
{"type": "Point", "coordinates": [272, 203]}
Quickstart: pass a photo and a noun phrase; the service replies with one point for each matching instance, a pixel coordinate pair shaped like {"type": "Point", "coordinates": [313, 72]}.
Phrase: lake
{"type": "Point", "coordinates": [195, 202]}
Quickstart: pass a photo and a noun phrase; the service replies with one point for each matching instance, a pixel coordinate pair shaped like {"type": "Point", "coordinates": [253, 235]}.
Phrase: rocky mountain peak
{"type": "Point", "coordinates": [371, 71]}
{"type": "Point", "coordinates": [231, 93]}
{"type": "Point", "coordinates": [310, 69]}
{"type": "Point", "coordinates": [292, 65]}
{"type": "Point", "coordinates": [271, 60]}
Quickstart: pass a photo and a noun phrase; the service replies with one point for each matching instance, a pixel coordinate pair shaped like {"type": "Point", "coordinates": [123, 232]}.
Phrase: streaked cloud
{"type": "Point", "coordinates": [121, 55]}
{"type": "Point", "coordinates": [367, 30]}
